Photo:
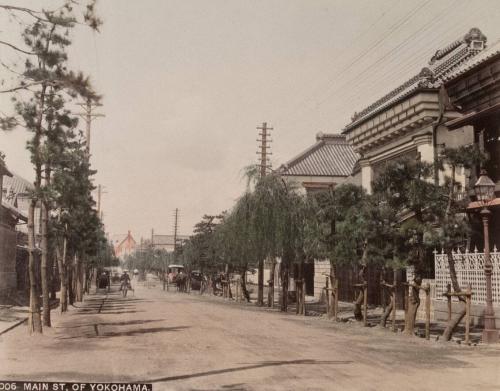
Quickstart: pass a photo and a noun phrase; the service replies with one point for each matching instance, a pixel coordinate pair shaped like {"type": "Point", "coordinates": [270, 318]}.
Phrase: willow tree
{"type": "Point", "coordinates": [39, 88]}
{"type": "Point", "coordinates": [284, 226]}
{"type": "Point", "coordinates": [234, 240]}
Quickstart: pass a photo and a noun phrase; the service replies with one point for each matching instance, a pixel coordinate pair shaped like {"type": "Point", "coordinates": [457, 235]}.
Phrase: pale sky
{"type": "Point", "coordinates": [186, 83]}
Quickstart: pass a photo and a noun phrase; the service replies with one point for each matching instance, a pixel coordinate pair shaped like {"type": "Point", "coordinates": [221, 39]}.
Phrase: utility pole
{"type": "Point", "coordinates": [88, 115]}
{"type": "Point", "coordinates": [100, 192]}
{"type": "Point", "coordinates": [176, 226]}
{"type": "Point", "coordinates": [264, 153]}
{"type": "Point", "coordinates": [264, 165]}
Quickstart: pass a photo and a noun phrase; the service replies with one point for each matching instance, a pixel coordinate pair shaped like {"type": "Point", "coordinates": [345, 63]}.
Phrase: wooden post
{"type": "Point", "coordinates": [297, 296]}
{"type": "Point", "coordinates": [327, 299]}
{"type": "Point", "coordinates": [393, 302]}
{"type": "Point", "coordinates": [382, 296]}
{"type": "Point", "coordinates": [467, 314]}
{"type": "Point", "coordinates": [336, 299]}
{"type": "Point", "coordinates": [365, 304]}
{"type": "Point", "coordinates": [427, 311]}
{"type": "Point", "coordinates": [304, 297]}
{"type": "Point", "coordinates": [237, 291]}
{"type": "Point", "coordinates": [407, 298]}
{"type": "Point", "coordinates": [448, 291]}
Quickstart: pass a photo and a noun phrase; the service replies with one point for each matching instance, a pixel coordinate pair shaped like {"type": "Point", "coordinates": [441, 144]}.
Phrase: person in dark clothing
{"type": "Point", "coordinates": [124, 279]}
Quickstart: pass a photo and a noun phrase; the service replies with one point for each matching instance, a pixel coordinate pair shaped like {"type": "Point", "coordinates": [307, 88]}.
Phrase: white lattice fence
{"type": "Point", "coordinates": [470, 270]}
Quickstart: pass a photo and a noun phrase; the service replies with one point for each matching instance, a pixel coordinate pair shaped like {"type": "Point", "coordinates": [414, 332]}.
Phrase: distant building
{"type": "Point", "coordinates": [124, 245]}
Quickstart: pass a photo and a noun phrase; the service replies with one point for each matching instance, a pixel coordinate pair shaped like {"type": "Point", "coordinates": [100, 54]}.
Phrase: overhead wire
{"type": "Point", "coordinates": [392, 29]}
{"type": "Point", "coordinates": [391, 73]}
{"type": "Point", "coordinates": [374, 44]}
{"type": "Point", "coordinates": [371, 82]}
{"type": "Point", "coordinates": [405, 43]}
{"type": "Point", "coordinates": [362, 95]}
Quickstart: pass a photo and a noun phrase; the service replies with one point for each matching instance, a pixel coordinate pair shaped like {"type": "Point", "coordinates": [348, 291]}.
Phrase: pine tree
{"type": "Point", "coordinates": [42, 90]}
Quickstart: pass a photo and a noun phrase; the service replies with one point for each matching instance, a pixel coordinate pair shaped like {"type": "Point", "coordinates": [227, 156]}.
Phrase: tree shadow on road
{"type": "Point", "coordinates": [125, 323]}
{"type": "Point", "coordinates": [128, 333]}
{"type": "Point", "coordinates": [261, 364]}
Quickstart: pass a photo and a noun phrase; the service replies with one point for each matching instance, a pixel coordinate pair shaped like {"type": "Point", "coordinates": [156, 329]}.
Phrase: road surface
{"type": "Point", "coordinates": [186, 342]}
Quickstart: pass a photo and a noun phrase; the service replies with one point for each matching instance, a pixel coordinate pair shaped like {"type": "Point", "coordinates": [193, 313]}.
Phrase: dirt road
{"type": "Point", "coordinates": [187, 342]}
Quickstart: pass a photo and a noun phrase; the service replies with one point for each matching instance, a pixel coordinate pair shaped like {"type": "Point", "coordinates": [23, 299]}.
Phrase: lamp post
{"type": "Point", "coordinates": [485, 192]}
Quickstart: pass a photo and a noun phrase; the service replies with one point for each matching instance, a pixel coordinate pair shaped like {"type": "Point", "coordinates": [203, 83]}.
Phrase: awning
{"type": "Point", "coordinates": [469, 118]}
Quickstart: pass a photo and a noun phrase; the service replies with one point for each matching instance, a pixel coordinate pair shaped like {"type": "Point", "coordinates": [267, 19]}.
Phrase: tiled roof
{"type": "Point", "coordinates": [444, 62]}
{"type": "Point", "coordinates": [488, 53]}
{"type": "Point", "coordinates": [15, 185]}
{"type": "Point", "coordinates": [331, 155]}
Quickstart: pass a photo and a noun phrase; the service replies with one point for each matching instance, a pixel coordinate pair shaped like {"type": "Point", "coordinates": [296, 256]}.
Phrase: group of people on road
{"type": "Point", "coordinates": [104, 280]}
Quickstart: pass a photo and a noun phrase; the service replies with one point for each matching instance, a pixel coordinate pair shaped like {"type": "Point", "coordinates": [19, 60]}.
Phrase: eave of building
{"type": "Point", "coordinates": [477, 91]}
{"type": "Point", "coordinates": [471, 117]}
{"type": "Point", "coordinates": [16, 213]}
{"type": "Point", "coordinates": [406, 116]}
{"type": "Point", "coordinates": [4, 170]}
{"type": "Point", "coordinates": [397, 148]}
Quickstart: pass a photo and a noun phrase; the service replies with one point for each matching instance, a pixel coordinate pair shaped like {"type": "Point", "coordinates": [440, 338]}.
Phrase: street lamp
{"type": "Point", "coordinates": [485, 192]}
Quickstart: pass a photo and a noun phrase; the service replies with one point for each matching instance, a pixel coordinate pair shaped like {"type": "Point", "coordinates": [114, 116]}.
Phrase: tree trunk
{"type": "Point", "coordinates": [34, 320]}
{"type": "Point", "coordinates": [244, 285]}
{"type": "Point", "coordinates": [44, 266]}
{"type": "Point", "coordinates": [79, 280]}
{"type": "Point", "coordinates": [270, 295]}
{"type": "Point", "coordinates": [260, 290]}
{"type": "Point", "coordinates": [386, 314]}
{"type": "Point", "coordinates": [71, 278]}
{"type": "Point", "coordinates": [358, 314]}
{"type": "Point", "coordinates": [453, 322]}
{"type": "Point", "coordinates": [61, 258]}
{"type": "Point", "coordinates": [285, 277]}
{"type": "Point", "coordinates": [53, 277]}
{"type": "Point", "coordinates": [413, 304]}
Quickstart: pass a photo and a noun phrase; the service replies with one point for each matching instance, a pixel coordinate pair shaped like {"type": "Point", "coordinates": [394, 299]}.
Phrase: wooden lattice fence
{"type": "Point", "coordinates": [470, 270]}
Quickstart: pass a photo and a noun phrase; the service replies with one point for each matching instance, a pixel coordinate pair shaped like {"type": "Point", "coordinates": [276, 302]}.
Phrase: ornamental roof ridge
{"type": "Point", "coordinates": [443, 62]}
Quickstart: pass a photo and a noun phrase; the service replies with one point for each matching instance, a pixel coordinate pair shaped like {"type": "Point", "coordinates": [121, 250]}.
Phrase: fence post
{"type": "Point", "coordinates": [365, 303]}
{"type": "Point", "coordinates": [467, 314]}
{"type": "Point", "coordinates": [393, 301]}
{"type": "Point", "coordinates": [427, 311]}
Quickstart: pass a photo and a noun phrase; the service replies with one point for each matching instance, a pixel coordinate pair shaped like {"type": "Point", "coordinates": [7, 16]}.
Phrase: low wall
{"type": "Point", "coordinates": [422, 295]}
{"type": "Point", "coordinates": [477, 312]}
{"type": "Point", "coordinates": [320, 267]}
